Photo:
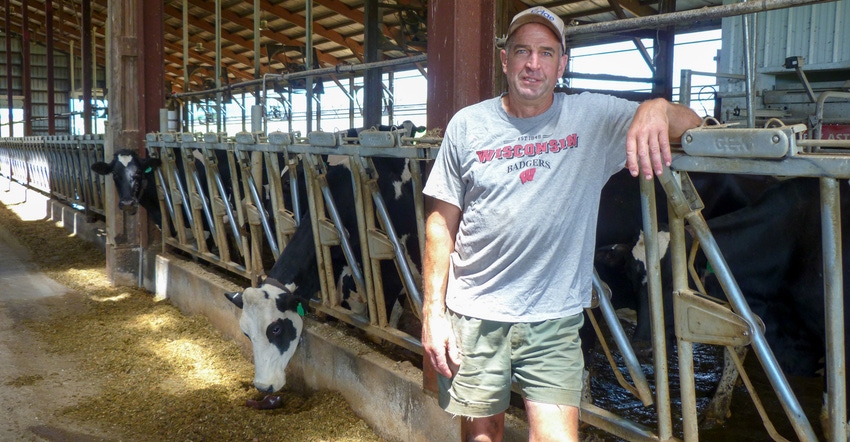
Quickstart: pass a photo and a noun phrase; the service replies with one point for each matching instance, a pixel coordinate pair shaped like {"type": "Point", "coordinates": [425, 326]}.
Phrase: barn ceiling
{"type": "Point", "coordinates": [338, 28]}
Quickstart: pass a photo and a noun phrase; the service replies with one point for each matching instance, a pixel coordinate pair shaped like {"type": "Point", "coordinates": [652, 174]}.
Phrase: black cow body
{"type": "Point", "coordinates": [135, 180]}
{"type": "Point", "coordinates": [775, 252]}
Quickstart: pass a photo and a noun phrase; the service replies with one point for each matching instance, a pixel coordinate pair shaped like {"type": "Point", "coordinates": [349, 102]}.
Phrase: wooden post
{"type": "Point", "coordinates": [136, 94]}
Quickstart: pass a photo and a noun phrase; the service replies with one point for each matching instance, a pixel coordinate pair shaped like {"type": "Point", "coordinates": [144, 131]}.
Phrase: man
{"type": "Point", "coordinates": [514, 196]}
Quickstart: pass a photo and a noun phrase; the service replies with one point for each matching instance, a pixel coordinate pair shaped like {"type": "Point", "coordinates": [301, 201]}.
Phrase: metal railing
{"type": "Point", "coordinates": [57, 165]}
{"type": "Point", "coordinates": [229, 192]}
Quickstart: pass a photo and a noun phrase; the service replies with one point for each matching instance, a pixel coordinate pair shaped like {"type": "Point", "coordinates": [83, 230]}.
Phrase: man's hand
{"type": "Point", "coordinates": [438, 344]}
{"type": "Point", "coordinates": [438, 339]}
{"type": "Point", "coordinates": [648, 141]}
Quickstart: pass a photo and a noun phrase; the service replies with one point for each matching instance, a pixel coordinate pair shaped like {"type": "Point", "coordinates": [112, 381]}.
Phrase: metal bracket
{"type": "Point", "coordinates": [699, 319]}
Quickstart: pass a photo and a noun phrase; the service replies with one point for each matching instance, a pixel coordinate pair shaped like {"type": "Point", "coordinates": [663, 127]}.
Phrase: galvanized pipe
{"type": "Point", "coordinates": [656, 306]}
{"type": "Point", "coordinates": [356, 273]}
{"type": "Point", "coordinates": [252, 187]}
{"type": "Point", "coordinates": [687, 384]}
{"type": "Point", "coordinates": [205, 206]}
{"type": "Point", "coordinates": [330, 205]}
{"type": "Point", "coordinates": [218, 96]}
{"type": "Point", "coordinates": [675, 18]}
{"type": "Point", "coordinates": [401, 261]}
{"type": "Point", "coordinates": [9, 81]}
{"type": "Point", "coordinates": [184, 195]}
{"type": "Point", "coordinates": [292, 163]}
{"type": "Point", "coordinates": [187, 122]}
{"type": "Point", "coordinates": [748, 22]}
{"type": "Point", "coordinates": [339, 69]}
{"type": "Point", "coordinates": [685, 88]}
{"type": "Point", "coordinates": [165, 193]}
{"type": "Point", "coordinates": [816, 131]}
{"type": "Point", "coordinates": [234, 228]}
{"type": "Point", "coordinates": [622, 341]}
{"type": "Point", "coordinates": [833, 290]}
{"type": "Point", "coordinates": [724, 274]}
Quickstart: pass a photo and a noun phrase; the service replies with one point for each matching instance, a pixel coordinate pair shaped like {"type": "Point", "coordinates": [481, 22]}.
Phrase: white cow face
{"type": "Point", "coordinates": [270, 319]}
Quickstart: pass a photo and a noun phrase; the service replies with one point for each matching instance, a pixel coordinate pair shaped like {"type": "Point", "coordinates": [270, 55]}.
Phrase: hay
{"type": "Point", "coordinates": [163, 376]}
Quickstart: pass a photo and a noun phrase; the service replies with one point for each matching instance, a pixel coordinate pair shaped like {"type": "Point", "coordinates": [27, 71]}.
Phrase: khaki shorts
{"type": "Point", "coordinates": [544, 358]}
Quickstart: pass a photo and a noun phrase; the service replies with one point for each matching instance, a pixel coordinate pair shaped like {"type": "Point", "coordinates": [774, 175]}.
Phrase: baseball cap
{"type": "Point", "coordinates": [539, 14]}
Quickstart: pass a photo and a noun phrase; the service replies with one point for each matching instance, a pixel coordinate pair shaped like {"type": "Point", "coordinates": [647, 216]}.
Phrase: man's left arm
{"type": "Point", "coordinates": [655, 123]}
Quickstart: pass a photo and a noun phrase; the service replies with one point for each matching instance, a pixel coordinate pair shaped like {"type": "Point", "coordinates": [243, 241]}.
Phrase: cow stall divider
{"type": "Point", "coordinates": [375, 228]}
{"type": "Point", "coordinates": [59, 166]}
{"type": "Point", "coordinates": [241, 220]}
{"type": "Point", "coordinates": [776, 150]}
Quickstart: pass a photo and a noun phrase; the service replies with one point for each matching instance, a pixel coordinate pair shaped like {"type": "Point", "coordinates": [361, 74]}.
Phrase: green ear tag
{"type": "Point", "coordinates": [149, 170]}
{"type": "Point", "coordinates": [300, 309]}
{"type": "Point", "coordinates": [709, 269]}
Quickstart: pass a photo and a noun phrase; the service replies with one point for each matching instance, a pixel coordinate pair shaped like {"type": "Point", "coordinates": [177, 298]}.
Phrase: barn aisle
{"type": "Point", "coordinates": [81, 360]}
{"type": "Point", "coordinates": [35, 383]}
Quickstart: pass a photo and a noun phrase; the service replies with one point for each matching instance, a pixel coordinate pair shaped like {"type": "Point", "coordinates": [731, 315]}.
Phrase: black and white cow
{"type": "Point", "coordinates": [135, 180]}
{"type": "Point", "coordinates": [272, 320]}
{"type": "Point", "coordinates": [296, 267]}
{"type": "Point", "coordinates": [773, 248]}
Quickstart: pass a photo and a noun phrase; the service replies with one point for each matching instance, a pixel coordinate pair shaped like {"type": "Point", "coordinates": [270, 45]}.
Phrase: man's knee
{"type": "Point", "coordinates": [483, 429]}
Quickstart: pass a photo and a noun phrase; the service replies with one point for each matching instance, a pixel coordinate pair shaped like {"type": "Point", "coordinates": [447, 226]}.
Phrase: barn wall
{"type": "Point", "coordinates": [819, 33]}
{"type": "Point", "coordinates": [38, 83]}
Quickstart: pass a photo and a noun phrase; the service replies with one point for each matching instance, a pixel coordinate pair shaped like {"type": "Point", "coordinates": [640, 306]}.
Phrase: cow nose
{"type": "Point", "coordinates": [127, 206]}
{"type": "Point", "coordinates": [268, 389]}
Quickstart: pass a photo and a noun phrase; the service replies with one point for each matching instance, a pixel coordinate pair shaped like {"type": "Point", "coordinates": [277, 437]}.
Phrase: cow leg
{"type": "Point", "coordinates": [717, 411]}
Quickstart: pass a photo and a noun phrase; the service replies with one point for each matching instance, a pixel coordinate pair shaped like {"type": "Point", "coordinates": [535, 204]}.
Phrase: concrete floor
{"type": "Point", "coordinates": [34, 383]}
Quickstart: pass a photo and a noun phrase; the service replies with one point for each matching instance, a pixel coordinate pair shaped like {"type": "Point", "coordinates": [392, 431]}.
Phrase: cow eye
{"type": "Point", "coordinates": [276, 330]}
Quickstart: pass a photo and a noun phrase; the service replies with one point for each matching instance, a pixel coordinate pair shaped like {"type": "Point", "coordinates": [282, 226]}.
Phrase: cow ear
{"type": "Point", "coordinates": [149, 164]}
{"type": "Point", "coordinates": [235, 298]}
{"type": "Point", "coordinates": [102, 168]}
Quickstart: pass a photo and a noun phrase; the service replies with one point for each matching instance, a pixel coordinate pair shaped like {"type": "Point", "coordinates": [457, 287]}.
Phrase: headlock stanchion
{"type": "Point", "coordinates": [57, 165]}
{"type": "Point", "coordinates": [768, 151]}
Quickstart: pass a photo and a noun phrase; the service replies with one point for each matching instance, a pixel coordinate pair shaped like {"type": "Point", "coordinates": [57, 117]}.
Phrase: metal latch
{"type": "Point", "coordinates": [724, 141]}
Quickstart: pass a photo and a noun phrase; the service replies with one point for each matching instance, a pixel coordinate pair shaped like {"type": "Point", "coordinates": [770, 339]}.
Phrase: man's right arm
{"type": "Point", "coordinates": [438, 343]}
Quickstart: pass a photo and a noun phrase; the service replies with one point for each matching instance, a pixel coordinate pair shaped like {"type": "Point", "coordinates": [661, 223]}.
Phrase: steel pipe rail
{"type": "Point", "coordinates": [383, 213]}
{"type": "Point", "coordinates": [339, 69]}
{"type": "Point", "coordinates": [630, 359]}
{"type": "Point", "coordinates": [674, 18]}
{"type": "Point", "coordinates": [736, 297]}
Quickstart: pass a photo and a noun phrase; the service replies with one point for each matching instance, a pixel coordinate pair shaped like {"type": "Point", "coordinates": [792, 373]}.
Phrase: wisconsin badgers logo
{"type": "Point", "coordinates": [527, 175]}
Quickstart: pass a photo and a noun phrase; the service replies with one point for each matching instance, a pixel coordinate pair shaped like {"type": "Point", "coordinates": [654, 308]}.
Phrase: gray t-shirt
{"type": "Point", "coordinates": [529, 191]}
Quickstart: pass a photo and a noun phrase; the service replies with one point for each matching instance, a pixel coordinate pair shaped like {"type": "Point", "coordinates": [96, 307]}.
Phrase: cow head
{"type": "Point", "coordinates": [130, 173]}
{"type": "Point", "coordinates": [271, 319]}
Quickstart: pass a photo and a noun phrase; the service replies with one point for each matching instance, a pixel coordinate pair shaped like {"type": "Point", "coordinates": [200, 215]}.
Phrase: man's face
{"type": "Point", "coordinates": [532, 64]}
